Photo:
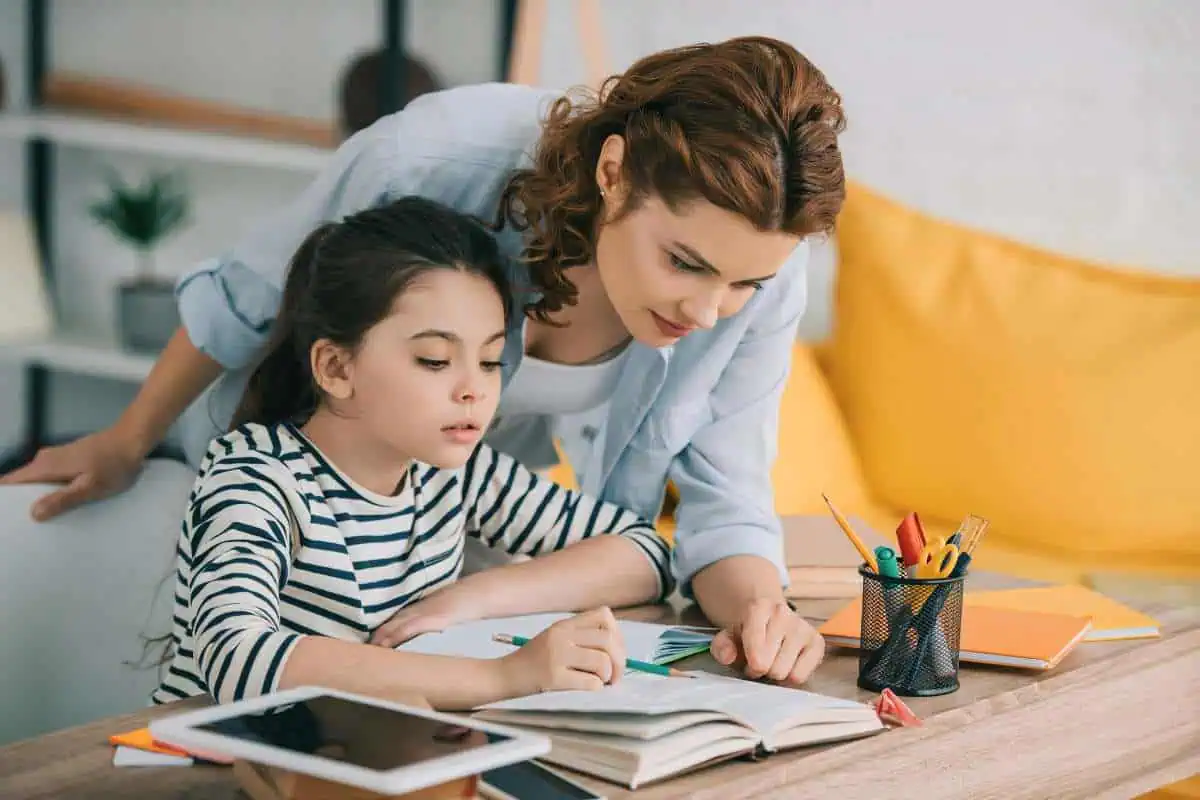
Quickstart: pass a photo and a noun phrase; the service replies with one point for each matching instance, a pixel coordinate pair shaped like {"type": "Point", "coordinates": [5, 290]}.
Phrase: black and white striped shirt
{"type": "Point", "coordinates": [278, 544]}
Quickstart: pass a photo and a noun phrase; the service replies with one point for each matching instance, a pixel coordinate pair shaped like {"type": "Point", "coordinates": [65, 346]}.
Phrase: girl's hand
{"type": "Point", "coordinates": [584, 652]}
{"type": "Point", "coordinates": [771, 641]}
{"type": "Point", "coordinates": [436, 612]}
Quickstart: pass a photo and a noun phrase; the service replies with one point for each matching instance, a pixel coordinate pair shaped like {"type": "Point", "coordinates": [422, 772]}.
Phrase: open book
{"type": "Point", "coordinates": [646, 728]}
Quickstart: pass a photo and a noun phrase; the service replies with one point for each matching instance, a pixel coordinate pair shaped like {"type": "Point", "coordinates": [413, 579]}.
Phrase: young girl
{"type": "Point", "coordinates": [353, 474]}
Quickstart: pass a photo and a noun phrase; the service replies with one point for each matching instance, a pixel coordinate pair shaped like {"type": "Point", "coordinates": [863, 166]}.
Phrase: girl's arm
{"type": "Point", "coordinates": [512, 508]}
{"type": "Point", "coordinates": [240, 557]}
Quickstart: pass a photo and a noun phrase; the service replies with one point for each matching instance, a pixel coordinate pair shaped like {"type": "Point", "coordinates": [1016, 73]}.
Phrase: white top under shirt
{"type": "Point", "coordinates": [574, 396]}
{"type": "Point", "coordinates": [250, 584]}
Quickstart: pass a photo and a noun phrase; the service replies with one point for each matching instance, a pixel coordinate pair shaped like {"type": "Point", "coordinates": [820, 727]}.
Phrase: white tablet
{"type": "Point", "coordinates": [359, 741]}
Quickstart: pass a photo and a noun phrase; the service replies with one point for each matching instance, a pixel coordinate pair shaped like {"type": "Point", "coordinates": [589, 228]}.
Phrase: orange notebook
{"type": "Point", "coordinates": [999, 636]}
{"type": "Point", "coordinates": [1110, 620]}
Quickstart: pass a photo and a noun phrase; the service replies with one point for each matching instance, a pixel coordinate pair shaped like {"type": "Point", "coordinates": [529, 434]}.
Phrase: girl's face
{"type": "Point", "coordinates": [670, 272]}
{"type": "Point", "coordinates": [425, 381]}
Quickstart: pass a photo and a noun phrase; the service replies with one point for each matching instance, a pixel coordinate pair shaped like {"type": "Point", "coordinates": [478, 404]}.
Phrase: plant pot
{"type": "Point", "coordinates": [147, 314]}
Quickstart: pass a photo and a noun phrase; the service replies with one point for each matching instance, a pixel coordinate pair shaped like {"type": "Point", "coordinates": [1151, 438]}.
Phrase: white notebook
{"type": "Point", "coordinates": [647, 728]}
{"type": "Point", "coordinates": [644, 641]}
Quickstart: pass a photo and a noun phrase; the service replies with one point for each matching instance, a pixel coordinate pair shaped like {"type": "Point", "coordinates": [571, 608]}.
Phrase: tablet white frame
{"type": "Point", "coordinates": [182, 730]}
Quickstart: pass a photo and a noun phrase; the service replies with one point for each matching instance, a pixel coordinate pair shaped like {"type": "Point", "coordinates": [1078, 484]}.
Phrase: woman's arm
{"type": "Point", "coordinates": [728, 539]}
{"type": "Point", "coordinates": [107, 462]}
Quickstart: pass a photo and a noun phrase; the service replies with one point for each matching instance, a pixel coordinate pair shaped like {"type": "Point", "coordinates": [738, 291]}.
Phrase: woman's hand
{"type": "Point", "coordinates": [583, 652]}
{"type": "Point", "coordinates": [94, 467]}
{"type": "Point", "coordinates": [771, 641]}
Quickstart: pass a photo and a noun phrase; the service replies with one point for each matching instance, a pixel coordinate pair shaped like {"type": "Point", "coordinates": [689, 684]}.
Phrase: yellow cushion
{"type": "Point", "coordinates": [1056, 397]}
{"type": "Point", "coordinates": [815, 452]}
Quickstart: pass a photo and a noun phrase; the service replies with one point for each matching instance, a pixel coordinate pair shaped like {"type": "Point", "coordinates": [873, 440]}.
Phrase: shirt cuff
{"type": "Point", "coordinates": [696, 550]}
{"type": "Point", "coordinates": [658, 552]}
{"type": "Point", "coordinates": [227, 310]}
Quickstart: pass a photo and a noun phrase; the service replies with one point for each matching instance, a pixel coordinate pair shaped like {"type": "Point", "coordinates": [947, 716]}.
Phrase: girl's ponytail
{"type": "Point", "coordinates": [281, 387]}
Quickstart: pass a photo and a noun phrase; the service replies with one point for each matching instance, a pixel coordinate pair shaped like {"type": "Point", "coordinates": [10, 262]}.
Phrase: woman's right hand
{"type": "Point", "coordinates": [583, 652]}
{"type": "Point", "coordinates": [94, 467]}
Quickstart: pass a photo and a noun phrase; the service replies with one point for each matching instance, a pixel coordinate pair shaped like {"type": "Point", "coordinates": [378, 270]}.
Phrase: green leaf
{"type": "Point", "coordinates": [142, 215]}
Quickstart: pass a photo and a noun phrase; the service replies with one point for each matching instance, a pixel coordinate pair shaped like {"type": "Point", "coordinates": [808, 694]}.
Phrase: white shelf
{"type": "Point", "coordinates": [82, 355]}
{"type": "Point", "coordinates": [131, 137]}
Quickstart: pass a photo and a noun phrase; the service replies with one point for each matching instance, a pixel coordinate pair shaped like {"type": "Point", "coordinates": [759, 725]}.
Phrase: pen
{"type": "Point", "coordinates": [852, 536]}
{"type": "Point", "coordinates": [630, 663]}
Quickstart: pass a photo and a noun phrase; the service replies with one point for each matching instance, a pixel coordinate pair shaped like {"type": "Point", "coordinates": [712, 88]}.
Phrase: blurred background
{"type": "Point", "coordinates": [1024, 148]}
{"type": "Point", "coordinates": [1069, 125]}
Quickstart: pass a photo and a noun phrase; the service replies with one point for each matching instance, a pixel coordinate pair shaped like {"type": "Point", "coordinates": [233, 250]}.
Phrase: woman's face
{"type": "Point", "coordinates": [668, 273]}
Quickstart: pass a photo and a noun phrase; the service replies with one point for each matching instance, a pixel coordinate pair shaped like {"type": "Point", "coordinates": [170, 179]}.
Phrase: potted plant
{"type": "Point", "coordinates": [142, 216]}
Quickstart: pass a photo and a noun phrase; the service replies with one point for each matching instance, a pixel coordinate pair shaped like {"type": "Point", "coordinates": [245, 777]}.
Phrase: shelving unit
{"type": "Point", "coordinates": [81, 130]}
{"type": "Point", "coordinates": [70, 351]}
{"type": "Point", "coordinates": [42, 130]}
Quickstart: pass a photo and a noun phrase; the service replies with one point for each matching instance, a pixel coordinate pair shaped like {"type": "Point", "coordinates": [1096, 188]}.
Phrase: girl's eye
{"type": "Point", "coordinates": [755, 285]}
{"type": "Point", "coordinates": [433, 363]}
{"type": "Point", "coordinates": [683, 266]}
{"type": "Point", "coordinates": [491, 366]}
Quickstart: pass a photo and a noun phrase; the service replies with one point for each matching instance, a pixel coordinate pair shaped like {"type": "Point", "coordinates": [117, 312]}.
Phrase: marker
{"type": "Point", "coordinates": [888, 567]}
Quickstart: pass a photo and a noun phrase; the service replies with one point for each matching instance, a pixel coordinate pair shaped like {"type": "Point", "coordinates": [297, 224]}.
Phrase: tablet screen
{"type": "Point", "coordinates": [353, 733]}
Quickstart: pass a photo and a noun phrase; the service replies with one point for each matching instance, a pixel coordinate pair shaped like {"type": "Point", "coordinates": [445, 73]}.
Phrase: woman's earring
{"type": "Point", "coordinates": [602, 193]}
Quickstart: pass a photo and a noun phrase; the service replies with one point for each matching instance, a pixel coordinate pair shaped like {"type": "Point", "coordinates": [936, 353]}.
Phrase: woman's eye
{"type": "Point", "coordinates": [491, 366]}
{"type": "Point", "coordinates": [755, 285]}
{"type": "Point", "coordinates": [683, 266]}
{"type": "Point", "coordinates": [433, 363]}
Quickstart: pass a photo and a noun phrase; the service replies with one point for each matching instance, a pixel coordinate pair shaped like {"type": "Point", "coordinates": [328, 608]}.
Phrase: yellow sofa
{"type": "Point", "coordinates": [966, 373]}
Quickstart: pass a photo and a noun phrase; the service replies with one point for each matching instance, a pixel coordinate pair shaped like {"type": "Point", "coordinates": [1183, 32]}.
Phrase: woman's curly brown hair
{"type": "Point", "coordinates": [748, 124]}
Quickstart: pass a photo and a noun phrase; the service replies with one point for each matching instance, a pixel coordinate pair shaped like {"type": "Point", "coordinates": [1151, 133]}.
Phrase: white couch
{"type": "Point", "coordinates": [76, 595]}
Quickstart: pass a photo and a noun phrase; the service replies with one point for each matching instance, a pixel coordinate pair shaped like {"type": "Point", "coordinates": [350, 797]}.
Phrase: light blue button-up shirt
{"type": "Point", "coordinates": [702, 413]}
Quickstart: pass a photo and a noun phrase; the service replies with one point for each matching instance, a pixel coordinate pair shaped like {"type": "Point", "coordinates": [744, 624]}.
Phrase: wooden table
{"type": "Point", "coordinates": [1112, 721]}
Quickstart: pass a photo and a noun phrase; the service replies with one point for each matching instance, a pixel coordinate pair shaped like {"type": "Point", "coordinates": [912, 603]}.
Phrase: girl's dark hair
{"type": "Point", "coordinates": [748, 124]}
{"type": "Point", "coordinates": [343, 281]}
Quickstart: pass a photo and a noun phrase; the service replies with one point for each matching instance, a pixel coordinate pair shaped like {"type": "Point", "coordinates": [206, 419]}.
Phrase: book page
{"type": "Point", "coordinates": [758, 706]}
{"type": "Point", "coordinates": [474, 639]}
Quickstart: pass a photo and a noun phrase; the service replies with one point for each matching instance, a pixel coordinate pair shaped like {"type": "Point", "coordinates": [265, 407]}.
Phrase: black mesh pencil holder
{"type": "Point", "coordinates": [911, 629]}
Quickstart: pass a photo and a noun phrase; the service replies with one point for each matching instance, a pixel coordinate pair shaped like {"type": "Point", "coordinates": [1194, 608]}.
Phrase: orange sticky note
{"type": "Point", "coordinates": [142, 740]}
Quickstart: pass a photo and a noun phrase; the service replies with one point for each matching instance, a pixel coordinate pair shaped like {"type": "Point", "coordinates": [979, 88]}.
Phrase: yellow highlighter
{"type": "Point", "coordinates": [866, 554]}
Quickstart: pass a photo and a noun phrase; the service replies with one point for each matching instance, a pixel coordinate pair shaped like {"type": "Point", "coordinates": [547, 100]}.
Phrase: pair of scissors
{"type": "Point", "coordinates": [938, 559]}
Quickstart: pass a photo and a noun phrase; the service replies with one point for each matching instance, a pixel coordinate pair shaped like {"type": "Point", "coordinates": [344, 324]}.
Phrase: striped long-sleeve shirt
{"type": "Point", "coordinates": [277, 544]}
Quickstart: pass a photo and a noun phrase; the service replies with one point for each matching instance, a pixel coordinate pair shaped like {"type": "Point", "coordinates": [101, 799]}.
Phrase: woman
{"type": "Point", "coordinates": [660, 233]}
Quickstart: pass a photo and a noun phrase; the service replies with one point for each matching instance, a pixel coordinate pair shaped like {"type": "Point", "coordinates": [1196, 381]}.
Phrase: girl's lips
{"type": "Point", "coordinates": [462, 432]}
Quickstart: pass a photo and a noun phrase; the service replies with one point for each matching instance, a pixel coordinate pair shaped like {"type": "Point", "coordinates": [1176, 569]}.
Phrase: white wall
{"type": "Point", "coordinates": [285, 56]}
{"type": "Point", "coordinates": [1072, 125]}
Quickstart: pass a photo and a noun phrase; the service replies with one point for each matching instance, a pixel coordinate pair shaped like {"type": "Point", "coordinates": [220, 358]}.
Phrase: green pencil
{"type": "Point", "coordinates": [630, 663]}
